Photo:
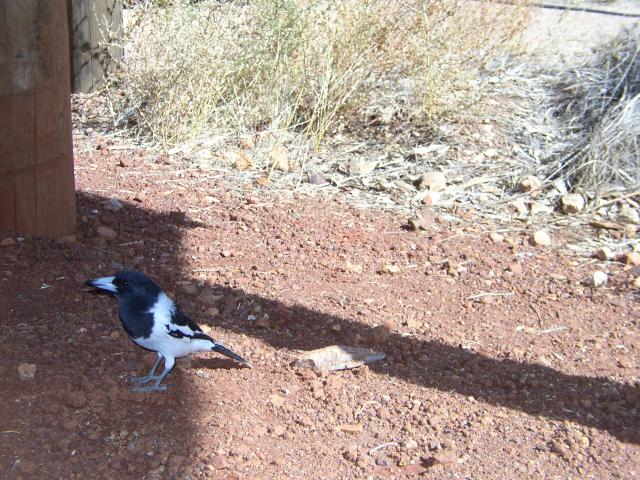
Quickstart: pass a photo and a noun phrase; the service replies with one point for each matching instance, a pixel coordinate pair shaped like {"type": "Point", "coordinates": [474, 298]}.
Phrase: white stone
{"type": "Point", "coordinates": [433, 181]}
{"type": "Point", "coordinates": [598, 279]}
{"type": "Point", "coordinates": [572, 203]}
{"type": "Point", "coordinates": [541, 238]}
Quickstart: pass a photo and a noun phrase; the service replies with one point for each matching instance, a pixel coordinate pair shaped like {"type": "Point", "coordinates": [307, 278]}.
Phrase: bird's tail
{"type": "Point", "coordinates": [217, 347]}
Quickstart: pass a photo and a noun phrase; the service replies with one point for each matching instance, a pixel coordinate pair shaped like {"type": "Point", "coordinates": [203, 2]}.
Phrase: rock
{"type": "Point", "coordinates": [432, 181]}
{"type": "Point", "coordinates": [430, 198]}
{"type": "Point", "coordinates": [212, 312]}
{"type": "Point", "coordinates": [520, 206]}
{"type": "Point", "coordinates": [219, 462]}
{"type": "Point", "coordinates": [116, 265]}
{"type": "Point", "coordinates": [67, 239]}
{"type": "Point", "coordinates": [360, 167]}
{"type": "Point", "coordinates": [490, 152]}
{"type": "Point", "coordinates": [262, 181]}
{"type": "Point", "coordinates": [225, 253]}
{"type": "Point", "coordinates": [352, 268]}
{"type": "Point", "coordinates": [448, 444]}
{"type": "Point", "coordinates": [279, 158]}
{"type": "Point", "coordinates": [317, 179]}
{"type": "Point", "coordinates": [263, 322]}
{"type": "Point", "coordinates": [7, 242]}
{"type": "Point", "coordinates": [189, 288]}
{"type": "Point", "coordinates": [528, 183]}
{"type": "Point", "coordinates": [351, 453]}
{"type": "Point", "coordinates": [446, 457]}
{"type": "Point", "coordinates": [603, 254]}
{"type": "Point", "coordinates": [26, 371]}
{"type": "Point", "coordinates": [598, 279]}
{"type": "Point", "coordinates": [390, 268]}
{"type": "Point", "coordinates": [174, 465]}
{"type": "Point", "coordinates": [428, 150]}
{"type": "Point", "coordinates": [379, 334]}
{"type": "Point", "coordinates": [636, 282]}
{"type": "Point", "coordinates": [629, 214]}
{"type": "Point", "coordinates": [106, 232]}
{"type": "Point", "coordinates": [28, 468]}
{"type": "Point", "coordinates": [114, 205]}
{"type": "Point", "coordinates": [606, 225]}
{"type": "Point", "coordinates": [75, 399]}
{"type": "Point", "coordinates": [486, 299]}
{"type": "Point", "coordinates": [584, 442]}
{"type": "Point", "coordinates": [239, 158]}
{"type": "Point", "coordinates": [413, 323]}
{"type": "Point", "coordinates": [140, 197]}
{"type": "Point", "coordinates": [496, 237]}
{"type": "Point", "coordinates": [630, 231]}
{"type": "Point", "coordinates": [632, 259]}
{"type": "Point", "coordinates": [541, 238]}
{"type": "Point", "coordinates": [208, 297]}
{"type": "Point", "coordinates": [420, 223]}
{"type": "Point", "coordinates": [572, 203]}
{"type": "Point", "coordinates": [411, 444]}
{"type": "Point", "coordinates": [338, 357]}
{"type": "Point", "coordinates": [516, 268]}
{"type": "Point", "coordinates": [350, 428]}
{"type": "Point", "coordinates": [540, 206]}
{"type": "Point", "coordinates": [276, 400]}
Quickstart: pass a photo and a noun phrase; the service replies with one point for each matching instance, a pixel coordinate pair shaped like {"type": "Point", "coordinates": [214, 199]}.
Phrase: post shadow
{"type": "Point", "coordinates": [77, 417]}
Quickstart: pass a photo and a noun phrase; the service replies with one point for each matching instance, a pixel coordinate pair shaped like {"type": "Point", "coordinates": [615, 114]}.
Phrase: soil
{"type": "Point", "coordinates": [501, 360]}
{"type": "Point", "coordinates": [539, 379]}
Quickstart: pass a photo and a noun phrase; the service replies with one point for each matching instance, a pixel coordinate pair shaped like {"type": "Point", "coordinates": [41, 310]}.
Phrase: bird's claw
{"type": "Point", "coordinates": [145, 379]}
{"type": "Point", "coordinates": [149, 388]}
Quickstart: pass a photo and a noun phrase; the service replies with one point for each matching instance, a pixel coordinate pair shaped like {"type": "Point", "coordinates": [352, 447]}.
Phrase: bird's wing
{"type": "Point", "coordinates": [180, 319]}
{"type": "Point", "coordinates": [181, 326]}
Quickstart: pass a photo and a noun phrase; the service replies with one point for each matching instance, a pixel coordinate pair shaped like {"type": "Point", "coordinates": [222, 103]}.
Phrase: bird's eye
{"type": "Point", "coordinates": [120, 283]}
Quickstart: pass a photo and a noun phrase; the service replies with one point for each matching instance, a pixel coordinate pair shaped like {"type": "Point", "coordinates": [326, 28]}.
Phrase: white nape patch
{"type": "Point", "coordinates": [105, 283]}
{"type": "Point", "coordinates": [161, 341]}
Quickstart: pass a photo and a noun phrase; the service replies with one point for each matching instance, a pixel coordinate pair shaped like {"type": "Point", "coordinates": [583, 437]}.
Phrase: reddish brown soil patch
{"type": "Point", "coordinates": [540, 381]}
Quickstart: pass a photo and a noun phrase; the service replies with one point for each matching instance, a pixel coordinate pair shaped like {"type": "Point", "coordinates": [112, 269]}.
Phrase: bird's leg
{"type": "Point", "coordinates": [149, 376]}
{"type": "Point", "coordinates": [169, 362]}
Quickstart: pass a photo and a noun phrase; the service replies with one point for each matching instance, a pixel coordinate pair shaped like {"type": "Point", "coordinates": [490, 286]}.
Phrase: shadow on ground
{"type": "Point", "coordinates": [77, 411]}
{"type": "Point", "coordinates": [532, 388]}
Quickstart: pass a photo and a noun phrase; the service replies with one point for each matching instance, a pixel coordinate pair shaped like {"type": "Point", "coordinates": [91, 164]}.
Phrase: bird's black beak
{"type": "Point", "coordinates": [103, 284]}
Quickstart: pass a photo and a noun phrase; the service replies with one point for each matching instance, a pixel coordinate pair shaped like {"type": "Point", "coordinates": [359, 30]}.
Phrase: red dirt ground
{"type": "Point", "coordinates": [540, 381]}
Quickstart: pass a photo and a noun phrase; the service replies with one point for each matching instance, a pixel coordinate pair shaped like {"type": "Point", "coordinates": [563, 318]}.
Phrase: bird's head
{"type": "Point", "coordinates": [124, 284]}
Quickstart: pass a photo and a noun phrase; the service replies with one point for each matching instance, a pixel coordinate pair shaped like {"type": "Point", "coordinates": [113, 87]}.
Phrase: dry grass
{"type": "Point", "coordinates": [308, 68]}
{"type": "Point", "coordinates": [599, 104]}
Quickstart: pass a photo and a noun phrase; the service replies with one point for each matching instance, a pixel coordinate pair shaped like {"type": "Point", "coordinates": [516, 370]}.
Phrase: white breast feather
{"type": "Point", "coordinates": [161, 341]}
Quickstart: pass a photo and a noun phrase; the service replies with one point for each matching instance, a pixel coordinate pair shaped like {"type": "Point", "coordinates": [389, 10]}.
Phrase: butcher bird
{"type": "Point", "coordinates": [154, 322]}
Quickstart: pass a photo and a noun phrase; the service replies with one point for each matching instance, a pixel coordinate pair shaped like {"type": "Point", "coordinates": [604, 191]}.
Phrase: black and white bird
{"type": "Point", "coordinates": [156, 323]}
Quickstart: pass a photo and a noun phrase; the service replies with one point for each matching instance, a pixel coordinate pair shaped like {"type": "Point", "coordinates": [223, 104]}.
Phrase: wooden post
{"type": "Point", "coordinates": [96, 25]}
{"type": "Point", "coordinates": [37, 194]}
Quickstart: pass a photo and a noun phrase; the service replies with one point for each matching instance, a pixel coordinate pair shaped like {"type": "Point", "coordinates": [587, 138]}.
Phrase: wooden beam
{"type": "Point", "coordinates": [37, 193]}
{"type": "Point", "coordinates": [96, 28]}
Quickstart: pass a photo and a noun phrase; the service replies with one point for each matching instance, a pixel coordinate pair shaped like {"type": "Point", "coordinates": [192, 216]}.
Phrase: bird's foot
{"type": "Point", "coordinates": [149, 388]}
{"type": "Point", "coordinates": [145, 379]}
